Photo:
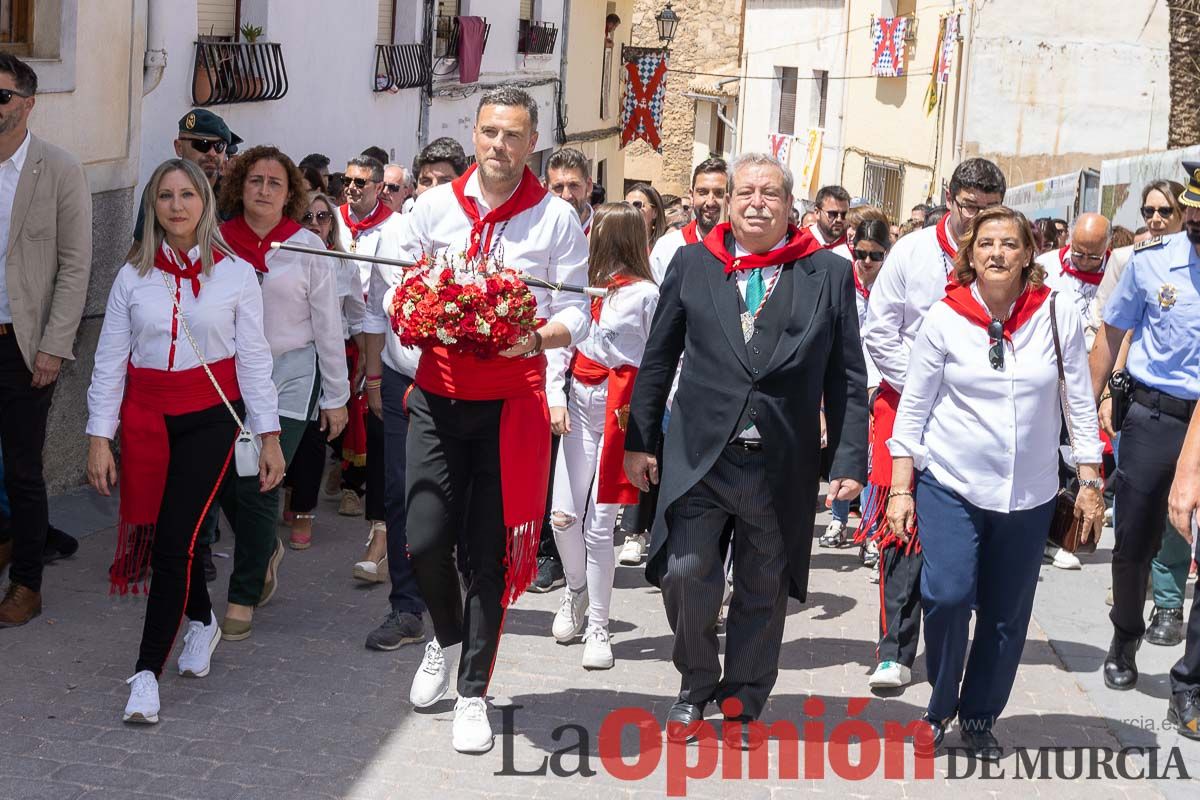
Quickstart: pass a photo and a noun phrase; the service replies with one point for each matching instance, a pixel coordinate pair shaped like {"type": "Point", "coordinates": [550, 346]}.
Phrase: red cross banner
{"type": "Point", "coordinates": [645, 85]}
{"type": "Point", "coordinates": [888, 37]}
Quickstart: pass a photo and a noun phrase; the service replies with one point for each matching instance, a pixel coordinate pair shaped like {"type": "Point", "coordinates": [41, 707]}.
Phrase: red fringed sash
{"type": "Point", "coordinates": [150, 396]}
{"type": "Point", "coordinates": [874, 515]}
{"type": "Point", "coordinates": [354, 439]}
{"type": "Point", "coordinates": [614, 486]}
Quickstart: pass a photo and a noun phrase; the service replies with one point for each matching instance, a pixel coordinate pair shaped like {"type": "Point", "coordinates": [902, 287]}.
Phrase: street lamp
{"type": "Point", "coordinates": [667, 21]}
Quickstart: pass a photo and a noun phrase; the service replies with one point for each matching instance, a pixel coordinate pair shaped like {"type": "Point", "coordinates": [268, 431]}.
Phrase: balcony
{"type": "Point", "coordinates": [238, 72]}
{"type": "Point", "coordinates": [446, 37]}
{"type": "Point", "coordinates": [401, 66]}
{"type": "Point", "coordinates": [536, 38]}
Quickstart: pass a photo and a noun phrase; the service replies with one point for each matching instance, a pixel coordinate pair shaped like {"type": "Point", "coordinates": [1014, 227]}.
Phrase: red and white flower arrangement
{"type": "Point", "coordinates": [477, 306]}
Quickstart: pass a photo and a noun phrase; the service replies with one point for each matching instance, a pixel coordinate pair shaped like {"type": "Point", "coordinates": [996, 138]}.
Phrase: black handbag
{"type": "Point", "coordinates": [1066, 529]}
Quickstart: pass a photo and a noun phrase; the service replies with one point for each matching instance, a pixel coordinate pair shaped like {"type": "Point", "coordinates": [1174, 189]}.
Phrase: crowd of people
{"type": "Point", "coordinates": [745, 348]}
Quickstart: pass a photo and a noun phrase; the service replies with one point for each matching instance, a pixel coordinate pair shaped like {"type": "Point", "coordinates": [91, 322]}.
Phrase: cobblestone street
{"type": "Point", "coordinates": [303, 710]}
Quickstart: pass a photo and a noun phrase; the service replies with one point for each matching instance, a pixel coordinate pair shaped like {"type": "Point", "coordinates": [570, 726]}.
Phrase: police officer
{"type": "Point", "coordinates": [1158, 299]}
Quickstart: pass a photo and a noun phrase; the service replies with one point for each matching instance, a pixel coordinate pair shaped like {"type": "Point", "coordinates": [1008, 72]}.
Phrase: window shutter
{"type": "Point", "coordinates": [217, 17]}
{"type": "Point", "coordinates": [822, 81]}
{"type": "Point", "coordinates": [526, 9]}
{"type": "Point", "coordinates": [448, 8]}
{"type": "Point", "coordinates": [787, 101]}
{"type": "Point", "coordinates": [387, 15]}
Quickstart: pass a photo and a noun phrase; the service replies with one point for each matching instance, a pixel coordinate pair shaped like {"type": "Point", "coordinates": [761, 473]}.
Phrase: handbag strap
{"type": "Point", "coordinates": [196, 349]}
{"type": "Point", "coordinates": [1062, 377]}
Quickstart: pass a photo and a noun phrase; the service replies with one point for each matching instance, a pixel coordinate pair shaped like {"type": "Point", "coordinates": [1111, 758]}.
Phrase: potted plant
{"type": "Point", "coordinates": [209, 65]}
{"type": "Point", "coordinates": [251, 33]}
{"type": "Point", "coordinates": [251, 80]}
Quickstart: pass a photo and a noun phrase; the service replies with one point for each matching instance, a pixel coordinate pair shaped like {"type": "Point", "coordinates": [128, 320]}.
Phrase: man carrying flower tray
{"type": "Point", "coordinates": [479, 429]}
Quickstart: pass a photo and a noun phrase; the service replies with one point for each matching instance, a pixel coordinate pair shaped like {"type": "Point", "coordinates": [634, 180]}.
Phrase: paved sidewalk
{"type": "Point", "coordinates": [303, 710]}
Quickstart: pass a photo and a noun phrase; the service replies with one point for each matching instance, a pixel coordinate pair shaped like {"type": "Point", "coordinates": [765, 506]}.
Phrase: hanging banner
{"type": "Point", "coordinates": [645, 86]}
{"type": "Point", "coordinates": [946, 48]}
{"type": "Point", "coordinates": [806, 160]}
{"type": "Point", "coordinates": [887, 34]}
{"type": "Point", "coordinates": [780, 145]}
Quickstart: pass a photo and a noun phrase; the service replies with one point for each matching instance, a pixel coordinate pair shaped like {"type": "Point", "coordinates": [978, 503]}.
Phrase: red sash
{"type": "Point", "coordinates": [1091, 278]}
{"type": "Point", "coordinates": [150, 396]}
{"type": "Point", "coordinates": [245, 242]}
{"type": "Point", "coordinates": [373, 219]}
{"type": "Point", "coordinates": [874, 523]}
{"type": "Point", "coordinates": [800, 244]}
{"type": "Point", "coordinates": [690, 236]}
{"type": "Point", "coordinates": [354, 439]}
{"type": "Point", "coordinates": [528, 194]}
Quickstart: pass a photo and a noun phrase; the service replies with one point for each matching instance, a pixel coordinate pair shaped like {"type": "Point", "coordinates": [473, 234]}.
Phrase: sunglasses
{"type": "Point", "coordinates": [834, 214]}
{"type": "Point", "coordinates": [203, 145]}
{"type": "Point", "coordinates": [392, 187]}
{"type": "Point", "coordinates": [359, 182]}
{"type": "Point", "coordinates": [996, 351]}
{"type": "Point", "coordinates": [636, 203]}
{"type": "Point", "coordinates": [863, 255]}
{"type": "Point", "coordinates": [321, 217]}
{"type": "Point", "coordinates": [6, 96]}
{"type": "Point", "coordinates": [1165, 212]}
{"type": "Point", "coordinates": [1077, 256]}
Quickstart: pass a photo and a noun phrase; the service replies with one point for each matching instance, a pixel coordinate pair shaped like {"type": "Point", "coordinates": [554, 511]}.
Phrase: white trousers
{"type": "Point", "coordinates": [583, 528]}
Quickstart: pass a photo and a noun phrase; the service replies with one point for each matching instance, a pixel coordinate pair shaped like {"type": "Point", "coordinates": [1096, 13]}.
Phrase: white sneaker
{"type": "Point", "coordinates": [472, 731]}
{"type": "Point", "coordinates": [143, 699]}
{"type": "Point", "coordinates": [571, 616]}
{"type": "Point", "coordinates": [890, 675]}
{"type": "Point", "coordinates": [432, 680]}
{"type": "Point", "coordinates": [597, 652]}
{"type": "Point", "coordinates": [198, 645]}
{"type": "Point", "coordinates": [1061, 558]}
{"type": "Point", "coordinates": [634, 550]}
{"type": "Point", "coordinates": [836, 535]}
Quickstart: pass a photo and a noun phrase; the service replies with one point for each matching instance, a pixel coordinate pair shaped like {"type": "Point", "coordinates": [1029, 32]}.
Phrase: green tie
{"type": "Point", "coordinates": [755, 290]}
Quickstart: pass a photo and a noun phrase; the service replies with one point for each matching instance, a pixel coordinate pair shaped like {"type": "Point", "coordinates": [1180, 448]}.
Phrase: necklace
{"type": "Point", "coordinates": [747, 319]}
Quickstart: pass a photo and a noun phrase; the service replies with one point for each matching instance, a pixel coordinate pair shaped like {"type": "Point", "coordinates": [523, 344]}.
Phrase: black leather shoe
{"type": "Point", "coordinates": [983, 745]}
{"type": "Point", "coordinates": [938, 726]}
{"type": "Point", "coordinates": [1120, 665]}
{"type": "Point", "coordinates": [736, 732]}
{"type": "Point", "coordinates": [683, 719]}
{"type": "Point", "coordinates": [1166, 627]}
{"type": "Point", "coordinates": [1183, 711]}
{"type": "Point", "coordinates": [204, 552]}
{"type": "Point", "coordinates": [59, 544]}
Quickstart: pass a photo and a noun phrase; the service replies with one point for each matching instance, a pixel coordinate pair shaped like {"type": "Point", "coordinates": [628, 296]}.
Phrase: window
{"type": "Point", "coordinates": [446, 29]}
{"type": "Point", "coordinates": [387, 22]}
{"type": "Point", "coordinates": [820, 97]}
{"type": "Point", "coordinates": [787, 100]}
{"type": "Point", "coordinates": [883, 186]}
{"type": "Point", "coordinates": [606, 80]}
{"type": "Point", "coordinates": [449, 8]}
{"type": "Point", "coordinates": [218, 17]}
{"type": "Point", "coordinates": [16, 25]}
{"type": "Point", "coordinates": [526, 10]}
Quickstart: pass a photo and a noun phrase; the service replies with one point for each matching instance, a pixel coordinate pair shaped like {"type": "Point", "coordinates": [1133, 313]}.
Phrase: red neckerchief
{"type": "Point", "coordinates": [528, 194]}
{"type": "Point", "coordinates": [963, 301]}
{"type": "Point", "coordinates": [615, 282]}
{"type": "Point", "coordinates": [858, 285]}
{"type": "Point", "coordinates": [831, 245]}
{"type": "Point", "coordinates": [949, 246]}
{"type": "Point", "coordinates": [800, 244]}
{"type": "Point", "coordinates": [1091, 278]}
{"type": "Point", "coordinates": [245, 242]}
{"type": "Point", "coordinates": [690, 236]}
{"type": "Point", "coordinates": [187, 271]}
{"type": "Point", "coordinates": [376, 217]}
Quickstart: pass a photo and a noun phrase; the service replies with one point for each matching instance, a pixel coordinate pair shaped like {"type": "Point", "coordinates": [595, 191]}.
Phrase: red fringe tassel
{"type": "Point", "coordinates": [132, 561]}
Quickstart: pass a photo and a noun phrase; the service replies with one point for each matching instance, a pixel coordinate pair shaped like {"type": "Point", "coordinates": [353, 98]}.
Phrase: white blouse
{"type": "Point", "coordinates": [301, 307]}
{"type": "Point", "coordinates": [619, 338]}
{"type": "Point", "coordinates": [384, 277]}
{"type": "Point", "coordinates": [368, 242]}
{"type": "Point", "coordinates": [226, 321]}
{"type": "Point", "coordinates": [1082, 294]}
{"type": "Point", "coordinates": [992, 435]}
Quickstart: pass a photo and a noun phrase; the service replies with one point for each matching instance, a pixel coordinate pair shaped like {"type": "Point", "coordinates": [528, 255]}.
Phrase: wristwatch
{"type": "Point", "coordinates": [1092, 483]}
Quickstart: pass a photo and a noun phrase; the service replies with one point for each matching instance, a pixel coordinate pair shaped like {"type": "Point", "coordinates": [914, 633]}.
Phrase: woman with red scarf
{"type": "Point", "coordinates": [589, 482]}
{"type": "Point", "coordinates": [264, 196]}
{"type": "Point", "coordinates": [181, 352]}
{"type": "Point", "coordinates": [984, 369]}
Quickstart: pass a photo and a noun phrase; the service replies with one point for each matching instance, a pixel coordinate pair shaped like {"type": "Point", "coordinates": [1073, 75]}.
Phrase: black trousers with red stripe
{"type": "Point", "coordinates": [900, 605]}
{"type": "Point", "coordinates": [201, 453]}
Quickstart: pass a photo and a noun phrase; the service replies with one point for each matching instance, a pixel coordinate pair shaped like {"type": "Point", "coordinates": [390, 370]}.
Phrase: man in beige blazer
{"type": "Point", "coordinates": [45, 262]}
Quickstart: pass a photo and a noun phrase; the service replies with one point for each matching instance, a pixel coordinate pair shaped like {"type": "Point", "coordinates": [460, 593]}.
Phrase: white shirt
{"type": "Point", "coordinates": [226, 321]}
{"type": "Point", "coordinates": [1010, 417]}
{"type": "Point", "coordinates": [301, 307]}
{"type": "Point", "coordinates": [842, 249]}
{"type": "Point", "coordinates": [619, 338]}
{"type": "Point", "coordinates": [10, 173]}
{"type": "Point", "coordinates": [375, 320]}
{"type": "Point", "coordinates": [367, 242]}
{"type": "Point", "coordinates": [1082, 295]}
{"type": "Point", "coordinates": [662, 253]}
{"type": "Point", "coordinates": [860, 304]}
{"type": "Point", "coordinates": [544, 242]}
{"type": "Point", "coordinates": [913, 278]}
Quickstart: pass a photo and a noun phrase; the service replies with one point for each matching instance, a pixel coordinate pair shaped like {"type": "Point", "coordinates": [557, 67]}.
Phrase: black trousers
{"type": "Point", "coordinates": [453, 486]}
{"type": "Point", "coordinates": [1150, 445]}
{"type": "Point", "coordinates": [404, 597]}
{"type": "Point", "coordinates": [23, 413]}
{"type": "Point", "coordinates": [694, 583]}
{"type": "Point", "coordinates": [900, 606]}
{"type": "Point", "coordinates": [201, 454]}
{"type": "Point", "coordinates": [307, 467]}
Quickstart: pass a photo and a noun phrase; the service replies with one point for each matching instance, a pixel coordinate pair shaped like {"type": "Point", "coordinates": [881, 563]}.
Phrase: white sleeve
{"type": "Point", "coordinates": [885, 316]}
{"type": "Point", "coordinates": [558, 360]}
{"type": "Point", "coordinates": [326, 315]}
{"type": "Point", "coordinates": [354, 309]}
{"type": "Point", "coordinates": [926, 364]}
{"type": "Point", "coordinates": [253, 359]}
{"type": "Point", "coordinates": [111, 363]}
{"type": "Point", "coordinates": [375, 320]}
{"type": "Point", "coordinates": [659, 260]}
{"type": "Point", "coordinates": [1085, 429]}
{"type": "Point", "coordinates": [569, 264]}
{"type": "Point", "coordinates": [649, 306]}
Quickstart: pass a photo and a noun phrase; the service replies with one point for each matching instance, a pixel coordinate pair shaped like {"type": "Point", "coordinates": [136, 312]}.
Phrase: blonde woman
{"type": "Point", "coordinates": [183, 302]}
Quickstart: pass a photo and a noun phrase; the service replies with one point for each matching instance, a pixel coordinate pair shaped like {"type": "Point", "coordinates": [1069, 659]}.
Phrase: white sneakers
{"type": "Point", "coordinates": [634, 550]}
{"type": "Point", "coordinates": [143, 699]}
{"type": "Point", "coordinates": [571, 616]}
{"type": "Point", "coordinates": [198, 645]}
{"type": "Point", "coordinates": [1061, 558]}
{"type": "Point", "coordinates": [472, 731]}
{"type": "Point", "coordinates": [890, 675]}
{"type": "Point", "coordinates": [432, 680]}
{"type": "Point", "coordinates": [597, 650]}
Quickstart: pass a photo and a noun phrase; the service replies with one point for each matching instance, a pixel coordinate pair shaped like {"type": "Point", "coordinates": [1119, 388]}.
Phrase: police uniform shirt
{"type": "Point", "coordinates": [1158, 298]}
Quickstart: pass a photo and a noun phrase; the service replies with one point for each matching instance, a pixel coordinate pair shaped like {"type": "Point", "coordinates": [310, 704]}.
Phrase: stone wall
{"type": "Point", "coordinates": [708, 39]}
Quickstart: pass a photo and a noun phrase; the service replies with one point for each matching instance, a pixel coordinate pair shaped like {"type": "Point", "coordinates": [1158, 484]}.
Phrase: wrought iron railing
{"type": "Point", "coordinates": [238, 72]}
{"type": "Point", "coordinates": [401, 66]}
{"type": "Point", "coordinates": [446, 38]}
{"type": "Point", "coordinates": [536, 38]}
